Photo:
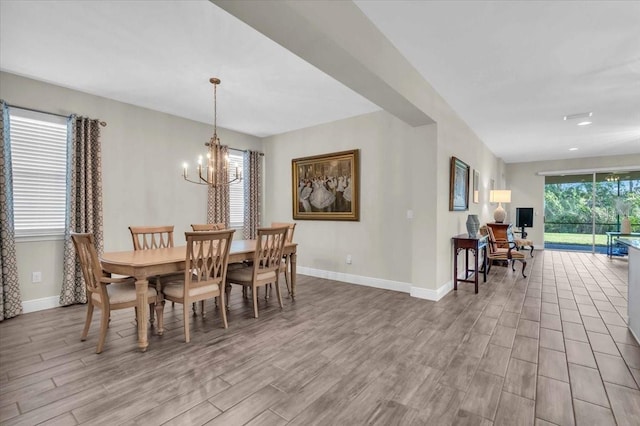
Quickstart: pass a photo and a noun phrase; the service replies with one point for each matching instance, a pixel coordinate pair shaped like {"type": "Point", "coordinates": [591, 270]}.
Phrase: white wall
{"type": "Point", "coordinates": [527, 187]}
{"type": "Point", "coordinates": [380, 243]}
{"type": "Point", "coordinates": [402, 168]}
{"type": "Point", "coordinates": [142, 156]}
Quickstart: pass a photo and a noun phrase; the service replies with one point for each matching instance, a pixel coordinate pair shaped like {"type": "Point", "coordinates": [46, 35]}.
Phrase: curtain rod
{"type": "Point", "coordinates": [102, 123]}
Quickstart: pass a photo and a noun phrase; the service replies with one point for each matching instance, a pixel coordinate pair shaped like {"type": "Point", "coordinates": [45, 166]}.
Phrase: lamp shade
{"type": "Point", "coordinates": [500, 196]}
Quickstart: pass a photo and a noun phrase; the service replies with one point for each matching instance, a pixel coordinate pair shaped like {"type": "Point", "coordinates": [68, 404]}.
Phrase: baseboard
{"type": "Point", "coordinates": [355, 279]}
{"type": "Point", "coordinates": [435, 295]}
{"type": "Point", "coordinates": [40, 304]}
{"type": "Point", "coordinates": [418, 292]}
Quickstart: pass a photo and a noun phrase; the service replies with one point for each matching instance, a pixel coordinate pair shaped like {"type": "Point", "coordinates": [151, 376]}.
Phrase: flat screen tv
{"type": "Point", "coordinates": [524, 217]}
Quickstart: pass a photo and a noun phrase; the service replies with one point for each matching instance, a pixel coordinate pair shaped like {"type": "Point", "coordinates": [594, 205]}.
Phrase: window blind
{"type": "Point", "coordinates": [39, 166]}
{"type": "Point", "coordinates": [236, 191]}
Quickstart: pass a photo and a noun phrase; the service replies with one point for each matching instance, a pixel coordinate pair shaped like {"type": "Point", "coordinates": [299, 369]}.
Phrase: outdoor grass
{"type": "Point", "coordinates": [582, 239]}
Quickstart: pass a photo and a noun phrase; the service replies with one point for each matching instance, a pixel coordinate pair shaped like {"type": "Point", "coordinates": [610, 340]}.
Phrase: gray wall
{"type": "Point", "coordinates": [402, 168]}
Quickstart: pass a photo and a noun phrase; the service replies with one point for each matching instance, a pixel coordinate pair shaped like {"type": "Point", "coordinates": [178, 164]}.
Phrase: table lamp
{"type": "Point", "coordinates": [500, 196]}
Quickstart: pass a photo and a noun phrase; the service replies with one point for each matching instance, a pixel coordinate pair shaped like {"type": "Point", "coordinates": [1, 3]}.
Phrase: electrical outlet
{"type": "Point", "coordinates": [36, 277]}
{"type": "Point", "coordinates": [348, 259]}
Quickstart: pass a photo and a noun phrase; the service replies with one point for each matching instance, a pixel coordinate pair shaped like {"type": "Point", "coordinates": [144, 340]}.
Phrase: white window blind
{"type": "Point", "coordinates": [236, 190]}
{"type": "Point", "coordinates": [39, 166]}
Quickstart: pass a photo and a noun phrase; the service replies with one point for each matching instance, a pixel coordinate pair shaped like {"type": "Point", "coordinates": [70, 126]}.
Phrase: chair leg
{"type": "Point", "coordinates": [151, 315]}
{"type": "Point", "coordinates": [87, 322]}
{"type": "Point", "coordinates": [104, 325]}
{"type": "Point", "coordinates": [254, 292]}
{"type": "Point", "coordinates": [524, 265]}
{"type": "Point", "coordinates": [266, 291]}
{"type": "Point", "coordinates": [223, 311]}
{"type": "Point", "coordinates": [227, 290]}
{"type": "Point", "coordinates": [186, 319]}
{"type": "Point", "coordinates": [531, 251]}
{"type": "Point", "coordinates": [159, 306]}
{"type": "Point", "coordinates": [195, 310]}
{"type": "Point", "coordinates": [278, 294]}
{"type": "Point", "coordinates": [287, 274]}
{"type": "Point", "coordinates": [204, 314]}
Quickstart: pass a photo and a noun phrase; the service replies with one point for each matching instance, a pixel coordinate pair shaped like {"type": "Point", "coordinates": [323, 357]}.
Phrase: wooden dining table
{"type": "Point", "coordinates": [144, 264]}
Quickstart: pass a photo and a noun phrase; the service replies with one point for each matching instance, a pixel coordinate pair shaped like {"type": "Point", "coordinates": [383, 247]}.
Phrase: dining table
{"type": "Point", "coordinates": [145, 264]}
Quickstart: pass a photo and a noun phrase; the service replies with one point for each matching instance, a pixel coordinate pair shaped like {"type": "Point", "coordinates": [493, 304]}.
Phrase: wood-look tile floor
{"type": "Point", "coordinates": [549, 349]}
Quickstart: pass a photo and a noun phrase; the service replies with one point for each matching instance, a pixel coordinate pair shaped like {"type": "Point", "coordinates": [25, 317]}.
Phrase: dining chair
{"type": "Point", "coordinates": [502, 250]}
{"type": "Point", "coordinates": [284, 268]}
{"type": "Point", "coordinates": [103, 291]}
{"type": "Point", "coordinates": [206, 270]}
{"type": "Point", "coordinates": [151, 237]}
{"type": "Point", "coordinates": [154, 237]}
{"type": "Point", "coordinates": [265, 268]}
{"type": "Point", "coordinates": [209, 227]}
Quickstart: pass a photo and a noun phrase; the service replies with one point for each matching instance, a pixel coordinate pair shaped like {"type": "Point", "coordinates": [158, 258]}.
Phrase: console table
{"type": "Point", "coordinates": [611, 240]}
{"type": "Point", "coordinates": [476, 244]}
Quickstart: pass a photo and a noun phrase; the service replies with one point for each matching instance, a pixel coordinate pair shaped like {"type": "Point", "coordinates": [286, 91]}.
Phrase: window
{"type": "Point", "coordinates": [236, 190]}
{"type": "Point", "coordinates": [39, 167]}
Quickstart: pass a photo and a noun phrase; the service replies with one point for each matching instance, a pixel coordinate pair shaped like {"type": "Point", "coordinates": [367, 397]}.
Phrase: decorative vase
{"type": "Point", "coordinates": [473, 225]}
{"type": "Point", "coordinates": [625, 226]}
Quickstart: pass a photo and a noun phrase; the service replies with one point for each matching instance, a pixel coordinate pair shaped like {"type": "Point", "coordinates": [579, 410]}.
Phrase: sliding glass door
{"type": "Point", "coordinates": [581, 209]}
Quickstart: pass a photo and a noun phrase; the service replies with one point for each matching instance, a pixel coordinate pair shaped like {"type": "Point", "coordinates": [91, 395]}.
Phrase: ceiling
{"type": "Point", "coordinates": [511, 70]}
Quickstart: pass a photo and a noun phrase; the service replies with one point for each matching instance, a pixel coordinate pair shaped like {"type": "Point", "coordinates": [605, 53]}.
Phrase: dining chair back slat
{"type": "Point", "coordinates": [291, 227]}
{"type": "Point", "coordinates": [151, 237]}
{"type": "Point", "coordinates": [85, 246]}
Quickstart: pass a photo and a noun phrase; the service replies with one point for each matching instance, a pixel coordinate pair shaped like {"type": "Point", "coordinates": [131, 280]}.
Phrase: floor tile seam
{"type": "Point", "coordinates": [610, 407]}
{"type": "Point", "coordinates": [538, 375]}
{"type": "Point", "coordinates": [520, 396]}
{"type": "Point", "coordinates": [620, 384]}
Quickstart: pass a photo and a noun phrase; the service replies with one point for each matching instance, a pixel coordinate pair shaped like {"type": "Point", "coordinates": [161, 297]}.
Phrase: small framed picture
{"type": "Point", "coordinates": [476, 187]}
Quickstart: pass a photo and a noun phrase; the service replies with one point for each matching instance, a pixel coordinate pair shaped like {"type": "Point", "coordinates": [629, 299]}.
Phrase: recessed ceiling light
{"type": "Point", "coordinates": [584, 118]}
{"type": "Point", "coordinates": [573, 149]}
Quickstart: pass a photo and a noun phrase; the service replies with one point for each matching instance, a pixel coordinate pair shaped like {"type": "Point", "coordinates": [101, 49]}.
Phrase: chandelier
{"type": "Point", "coordinates": [207, 173]}
{"type": "Point", "coordinates": [612, 178]}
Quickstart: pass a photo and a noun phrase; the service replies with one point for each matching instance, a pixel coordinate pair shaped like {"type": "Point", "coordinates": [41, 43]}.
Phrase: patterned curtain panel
{"type": "Point", "coordinates": [218, 207]}
{"type": "Point", "coordinates": [84, 201]}
{"type": "Point", "coordinates": [10, 299]}
{"type": "Point", "coordinates": [252, 165]}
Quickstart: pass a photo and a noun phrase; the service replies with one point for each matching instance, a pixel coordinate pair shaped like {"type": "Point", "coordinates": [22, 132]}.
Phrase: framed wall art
{"type": "Point", "coordinates": [476, 187]}
{"type": "Point", "coordinates": [326, 187]}
{"type": "Point", "coordinates": [458, 185]}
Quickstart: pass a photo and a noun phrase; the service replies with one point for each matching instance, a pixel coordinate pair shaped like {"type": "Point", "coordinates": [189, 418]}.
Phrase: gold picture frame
{"type": "Point", "coordinates": [327, 186]}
